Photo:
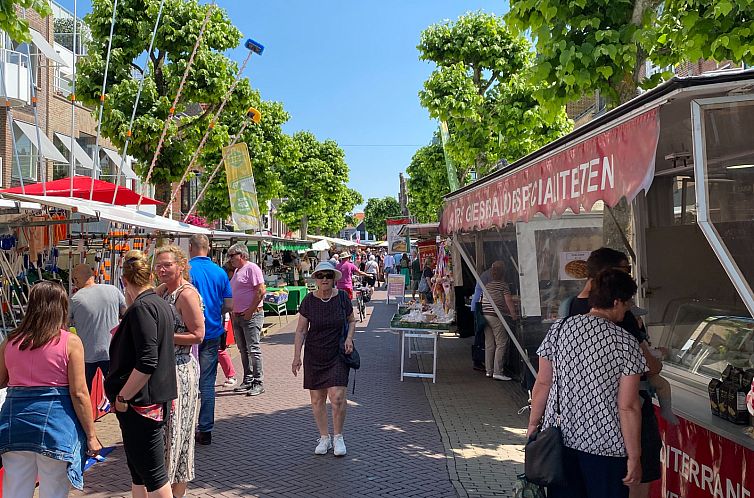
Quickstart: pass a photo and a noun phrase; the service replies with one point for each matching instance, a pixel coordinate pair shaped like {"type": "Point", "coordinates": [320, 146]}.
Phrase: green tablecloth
{"type": "Point", "coordinates": [296, 294]}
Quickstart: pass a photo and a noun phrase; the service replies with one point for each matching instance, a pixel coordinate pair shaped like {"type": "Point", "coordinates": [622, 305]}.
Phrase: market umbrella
{"type": "Point", "coordinates": [103, 191]}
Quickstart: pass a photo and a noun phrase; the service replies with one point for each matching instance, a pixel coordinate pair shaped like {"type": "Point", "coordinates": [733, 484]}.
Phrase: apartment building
{"type": "Point", "coordinates": [43, 137]}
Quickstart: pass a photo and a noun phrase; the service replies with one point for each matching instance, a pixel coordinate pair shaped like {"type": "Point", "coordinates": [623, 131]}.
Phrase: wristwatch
{"type": "Point", "coordinates": [121, 399]}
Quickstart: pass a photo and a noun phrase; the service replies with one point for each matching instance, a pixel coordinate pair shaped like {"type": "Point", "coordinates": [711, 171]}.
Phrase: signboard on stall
{"type": "Point", "coordinates": [571, 265]}
{"type": "Point", "coordinates": [698, 463]}
{"type": "Point", "coordinates": [241, 188]}
{"type": "Point", "coordinates": [396, 244]}
{"type": "Point", "coordinates": [616, 163]}
{"type": "Point", "coordinates": [396, 286]}
{"type": "Point", "coordinates": [427, 249]}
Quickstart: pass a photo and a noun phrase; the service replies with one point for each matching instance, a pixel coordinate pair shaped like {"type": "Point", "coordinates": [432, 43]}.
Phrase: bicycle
{"type": "Point", "coordinates": [359, 291]}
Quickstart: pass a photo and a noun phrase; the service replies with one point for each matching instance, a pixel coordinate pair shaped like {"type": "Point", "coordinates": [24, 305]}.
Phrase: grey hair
{"type": "Point", "coordinates": [240, 248]}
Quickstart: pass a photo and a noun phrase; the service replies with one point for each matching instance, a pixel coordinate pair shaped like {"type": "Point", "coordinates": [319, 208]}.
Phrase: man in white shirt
{"type": "Point", "coordinates": [387, 265]}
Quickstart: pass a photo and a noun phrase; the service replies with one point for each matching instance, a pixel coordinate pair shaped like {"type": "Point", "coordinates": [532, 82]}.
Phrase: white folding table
{"type": "Point", "coordinates": [409, 333]}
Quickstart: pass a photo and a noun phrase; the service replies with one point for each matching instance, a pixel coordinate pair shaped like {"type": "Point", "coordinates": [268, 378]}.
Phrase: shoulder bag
{"type": "Point", "coordinates": [351, 359]}
{"type": "Point", "coordinates": [543, 453]}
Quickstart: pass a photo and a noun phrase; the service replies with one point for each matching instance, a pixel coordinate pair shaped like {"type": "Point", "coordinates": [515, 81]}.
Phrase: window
{"type": "Point", "coordinates": [28, 157]}
{"type": "Point", "coordinates": [189, 192]}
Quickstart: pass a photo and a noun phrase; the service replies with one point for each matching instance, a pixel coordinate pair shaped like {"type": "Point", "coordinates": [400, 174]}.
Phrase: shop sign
{"type": "Point", "coordinates": [698, 463]}
{"type": "Point", "coordinates": [396, 286]}
{"type": "Point", "coordinates": [618, 162]}
{"type": "Point", "coordinates": [396, 244]}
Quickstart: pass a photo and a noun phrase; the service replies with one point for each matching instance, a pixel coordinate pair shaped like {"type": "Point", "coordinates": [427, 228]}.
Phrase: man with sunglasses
{"type": "Point", "coordinates": [248, 290]}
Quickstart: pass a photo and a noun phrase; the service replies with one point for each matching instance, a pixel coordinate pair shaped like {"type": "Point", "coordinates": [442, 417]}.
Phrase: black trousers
{"type": "Point", "coordinates": [144, 444]}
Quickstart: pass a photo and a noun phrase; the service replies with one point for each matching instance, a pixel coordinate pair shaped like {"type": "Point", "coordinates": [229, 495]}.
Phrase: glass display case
{"type": "Point", "coordinates": [703, 340]}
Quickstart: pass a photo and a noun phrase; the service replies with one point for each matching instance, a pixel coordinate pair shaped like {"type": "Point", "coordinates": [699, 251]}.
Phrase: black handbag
{"type": "Point", "coordinates": [543, 453]}
{"type": "Point", "coordinates": [352, 359]}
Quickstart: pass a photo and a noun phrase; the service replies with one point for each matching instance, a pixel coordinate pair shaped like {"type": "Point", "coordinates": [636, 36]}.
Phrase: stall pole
{"type": "Point", "coordinates": [510, 333]}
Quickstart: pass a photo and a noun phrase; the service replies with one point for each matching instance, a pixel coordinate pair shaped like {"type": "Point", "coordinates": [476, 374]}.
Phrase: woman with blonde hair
{"type": "Point", "coordinates": [46, 421]}
{"type": "Point", "coordinates": [141, 380]}
{"type": "Point", "coordinates": [171, 266]}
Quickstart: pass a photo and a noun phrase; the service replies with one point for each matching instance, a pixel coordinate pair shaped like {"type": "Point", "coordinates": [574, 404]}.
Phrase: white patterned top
{"type": "Point", "coordinates": [590, 357]}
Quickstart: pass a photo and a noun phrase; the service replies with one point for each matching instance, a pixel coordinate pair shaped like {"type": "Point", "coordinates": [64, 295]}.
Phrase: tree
{"type": "Point", "coordinates": [377, 211]}
{"type": "Point", "coordinates": [315, 187]}
{"type": "Point", "coordinates": [211, 76]}
{"type": "Point", "coordinates": [481, 89]}
{"type": "Point", "coordinates": [270, 150]}
{"type": "Point", "coordinates": [585, 46]}
{"type": "Point", "coordinates": [427, 183]}
{"type": "Point", "coordinates": [18, 27]}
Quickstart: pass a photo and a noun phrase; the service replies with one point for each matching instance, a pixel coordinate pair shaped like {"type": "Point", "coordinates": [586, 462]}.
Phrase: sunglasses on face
{"type": "Point", "coordinates": [231, 254]}
{"type": "Point", "coordinates": [625, 268]}
{"type": "Point", "coordinates": [324, 275]}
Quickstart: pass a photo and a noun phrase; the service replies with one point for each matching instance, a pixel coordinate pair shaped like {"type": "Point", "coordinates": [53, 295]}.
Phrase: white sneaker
{"type": "Point", "coordinates": [501, 377]}
{"type": "Point", "coordinates": [339, 445]}
{"type": "Point", "coordinates": [324, 445]}
{"type": "Point", "coordinates": [230, 382]}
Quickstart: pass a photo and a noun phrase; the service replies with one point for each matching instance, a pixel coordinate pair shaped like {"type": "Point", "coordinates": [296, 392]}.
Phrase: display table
{"type": "Point", "coordinates": [418, 331]}
{"type": "Point", "coordinates": [296, 294]}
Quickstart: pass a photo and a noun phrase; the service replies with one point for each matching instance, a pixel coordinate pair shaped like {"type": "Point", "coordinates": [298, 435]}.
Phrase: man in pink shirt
{"type": "Point", "coordinates": [247, 285]}
{"type": "Point", "coordinates": [347, 269]}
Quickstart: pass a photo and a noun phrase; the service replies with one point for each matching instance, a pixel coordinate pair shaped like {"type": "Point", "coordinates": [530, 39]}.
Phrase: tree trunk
{"type": "Point", "coordinates": [304, 227]}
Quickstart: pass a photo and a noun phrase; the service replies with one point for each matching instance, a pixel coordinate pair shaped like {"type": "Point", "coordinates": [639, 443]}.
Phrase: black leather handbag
{"type": "Point", "coordinates": [352, 359]}
{"type": "Point", "coordinates": [543, 453]}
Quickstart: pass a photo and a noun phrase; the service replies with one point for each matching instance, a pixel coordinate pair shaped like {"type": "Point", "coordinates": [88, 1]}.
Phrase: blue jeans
{"type": "Point", "coordinates": [207, 376]}
{"type": "Point", "coordinates": [247, 334]}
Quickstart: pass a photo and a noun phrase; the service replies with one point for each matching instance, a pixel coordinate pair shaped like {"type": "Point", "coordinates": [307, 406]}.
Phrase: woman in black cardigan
{"type": "Point", "coordinates": [142, 379]}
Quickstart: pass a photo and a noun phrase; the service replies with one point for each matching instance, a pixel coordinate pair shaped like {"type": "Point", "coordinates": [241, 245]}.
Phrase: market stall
{"type": "Point", "coordinates": [666, 178]}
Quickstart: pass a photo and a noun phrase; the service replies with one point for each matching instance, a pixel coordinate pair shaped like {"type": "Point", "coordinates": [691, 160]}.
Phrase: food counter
{"type": "Point", "coordinates": [296, 294]}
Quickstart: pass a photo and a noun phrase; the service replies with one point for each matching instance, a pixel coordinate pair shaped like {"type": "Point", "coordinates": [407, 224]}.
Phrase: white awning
{"type": "Point", "coordinates": [44, 46]}
{"type": "Point", "coordinates": [78, 152]}
{"type": "Point", "coordinates": [321, 245]}
{"type": "Point", "coordinates": [126, 170]}
{"type": "Point", "coordinates": [334, 240]}
{"type": "Point", "coordinates": [116, 214]}
{"type": "Point", "coordinates": [48, 149]}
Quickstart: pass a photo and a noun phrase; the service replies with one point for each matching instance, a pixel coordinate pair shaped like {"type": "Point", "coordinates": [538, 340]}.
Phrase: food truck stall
{"type": "Point", "coordinates": [668, 178]}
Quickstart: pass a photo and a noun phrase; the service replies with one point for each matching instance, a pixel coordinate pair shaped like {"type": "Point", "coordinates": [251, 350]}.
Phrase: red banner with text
{"type": "Point", "coordinates": [698, 463]}
{"type": "Point", "coordinates": [616, 163]}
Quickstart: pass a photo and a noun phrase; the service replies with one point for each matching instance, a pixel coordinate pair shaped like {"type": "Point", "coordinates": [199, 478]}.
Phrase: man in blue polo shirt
{"type": "Point", "coordinates": [214, 287]}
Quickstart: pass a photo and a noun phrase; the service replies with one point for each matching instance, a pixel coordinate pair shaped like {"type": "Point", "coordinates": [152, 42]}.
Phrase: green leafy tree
{"type": "Point", "coordinates": [211, 76]}
{"type": "Point", "coordinates": [482, 90]}
{"type": "Point", "coordinates": [377, 211]}
{"type": "Point", "coordinates": [270, 151]}
{"type": "Point", "coordinates": [427, 182]}
{"type": "Point", "coordinates": [15, 25]}
{"type": "Point", "coordinates": [704, 29]}
{"type": "Point", "coordinates": [598, 45]}
{"type": "Point", "coordinates": [315, 187]}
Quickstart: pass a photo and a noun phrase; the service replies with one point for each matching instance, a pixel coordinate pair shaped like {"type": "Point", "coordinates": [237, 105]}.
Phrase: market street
{"type": "Point", "coordinates": [458, 437]}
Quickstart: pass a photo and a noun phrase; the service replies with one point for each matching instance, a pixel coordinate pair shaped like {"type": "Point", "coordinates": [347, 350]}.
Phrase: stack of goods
{"type": "Point", "coordinates": [728, 394]}
{"type": "Point", "coordinates": [276, 297]}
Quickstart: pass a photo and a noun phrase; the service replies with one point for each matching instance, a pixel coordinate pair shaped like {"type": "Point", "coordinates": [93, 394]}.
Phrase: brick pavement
{"type": "Point", "coordinates": [412, 439]}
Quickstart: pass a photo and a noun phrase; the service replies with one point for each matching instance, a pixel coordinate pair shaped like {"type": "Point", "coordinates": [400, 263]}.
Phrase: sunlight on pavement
{"type": "Point", "coordinates": [390, 427]}
{"type": "Point", "coordinates": [502, 453]}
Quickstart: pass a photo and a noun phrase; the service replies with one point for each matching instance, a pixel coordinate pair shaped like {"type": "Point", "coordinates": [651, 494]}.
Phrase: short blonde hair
{"type": "Point", "coordinates": [136, 269]}
{"type": "Point", "coordinates": [178, 255]}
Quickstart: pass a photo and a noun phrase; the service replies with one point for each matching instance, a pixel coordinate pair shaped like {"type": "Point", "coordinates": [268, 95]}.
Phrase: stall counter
{"type": "Point", "coordinates": [296, 295]}
{"type": "Point", "coordinates": [704, 456]}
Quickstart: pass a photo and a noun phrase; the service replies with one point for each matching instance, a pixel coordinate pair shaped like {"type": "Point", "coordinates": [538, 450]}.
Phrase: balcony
{"type": "Point", "coordinates": [15, 72]}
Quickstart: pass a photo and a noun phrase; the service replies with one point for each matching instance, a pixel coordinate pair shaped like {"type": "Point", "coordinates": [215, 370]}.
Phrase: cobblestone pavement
{"type": "Point", "coordinates": [458, 437]}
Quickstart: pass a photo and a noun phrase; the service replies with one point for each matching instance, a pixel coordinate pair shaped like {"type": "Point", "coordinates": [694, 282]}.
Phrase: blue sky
{"type": "Point", "coordinates": [347, 70]}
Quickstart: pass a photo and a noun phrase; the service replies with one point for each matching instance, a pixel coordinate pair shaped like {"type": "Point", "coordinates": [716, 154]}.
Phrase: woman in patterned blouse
{"type": "Point", "coordinates": [588, 385]}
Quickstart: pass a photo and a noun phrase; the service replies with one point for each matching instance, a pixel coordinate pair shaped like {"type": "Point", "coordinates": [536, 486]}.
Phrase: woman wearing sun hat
{"type": "Point", "coordinates": [347, 269]}
{"type": "Point", "coordinates": [322, 318]}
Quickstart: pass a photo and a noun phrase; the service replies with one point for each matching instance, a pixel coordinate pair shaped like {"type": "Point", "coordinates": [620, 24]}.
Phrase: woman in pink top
{"type": "Point", "coordinates": [46, 422]}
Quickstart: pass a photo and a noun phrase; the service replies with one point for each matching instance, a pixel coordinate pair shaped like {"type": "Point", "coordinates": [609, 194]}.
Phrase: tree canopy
{"type": "Point", "coordinates": [315, 186]}
{"type": "Point", "coordinates": [597, 45]}
{"type": "Point", "coordinates": [377, 211]}
{"type": "Point", "coordinates": [211, 76]}
{"type": "Point", "coordinates": [427, 182]}
{"type": "Point", "coordinates": [482, 89]}
{"type": "Point", "coordinates": [17, 27]}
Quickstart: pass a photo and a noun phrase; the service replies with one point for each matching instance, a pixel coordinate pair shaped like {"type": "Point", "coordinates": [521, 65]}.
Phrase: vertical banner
{"type": "Point", "coordinates": [396, 244]}
{"type": "Point", "coordinates": [241, 188]}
